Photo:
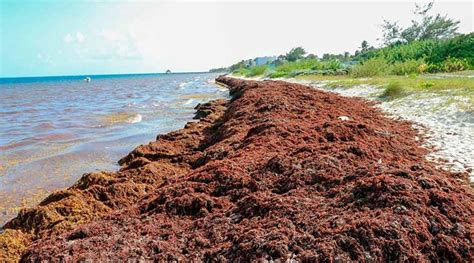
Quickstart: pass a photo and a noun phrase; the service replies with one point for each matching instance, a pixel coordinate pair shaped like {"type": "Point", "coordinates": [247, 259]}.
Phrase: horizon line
{"type": "Point", "coordinates": [106, 74]}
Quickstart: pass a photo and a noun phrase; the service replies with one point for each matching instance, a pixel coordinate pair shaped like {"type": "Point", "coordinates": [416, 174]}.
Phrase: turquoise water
{"type": "Point", "coordinates": [55, 129]}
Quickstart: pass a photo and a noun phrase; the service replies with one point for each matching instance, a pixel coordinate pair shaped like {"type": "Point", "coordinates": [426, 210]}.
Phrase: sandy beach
{"type": "Point", "coordinates": [281, 171]}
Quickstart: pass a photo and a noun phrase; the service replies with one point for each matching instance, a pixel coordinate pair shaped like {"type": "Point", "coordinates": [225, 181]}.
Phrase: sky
{"type": "Point", "coordinates": [51, 38]}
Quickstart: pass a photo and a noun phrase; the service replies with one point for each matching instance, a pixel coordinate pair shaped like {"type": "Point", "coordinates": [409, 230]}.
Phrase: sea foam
{"type": "Point", "coordinates": [136, 118]}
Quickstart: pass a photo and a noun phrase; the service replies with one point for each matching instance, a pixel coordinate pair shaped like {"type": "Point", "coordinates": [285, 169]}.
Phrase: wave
{"type": "Point", "coordinates": [122, 117]}
{"type": "Point", "coordinates": [183, 84]}
{"type": "Point", "coordinates": [189, 101]}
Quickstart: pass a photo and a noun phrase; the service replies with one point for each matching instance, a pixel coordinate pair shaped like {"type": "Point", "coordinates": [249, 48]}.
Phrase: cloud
{"type": "Point", "coordinates": [114, 45]}
{"type": "Point", "coordinates": [116, 52]}
{"type": "Point", "coordinates": [112, 35]}
{"type": "Point", "coordinates": [80, 37]}
{"type": "Point", "coordinates": [45, 58]}
{"type": "Point", "coordinates": [105, 44]}
{"type": "Point", "coordinates": [68, 38]}
{"type": "Point", "coordinates": [128, 51]}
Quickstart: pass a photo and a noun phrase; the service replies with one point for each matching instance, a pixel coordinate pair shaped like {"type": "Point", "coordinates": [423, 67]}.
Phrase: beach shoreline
{"type": "Point", "coordinates": [279, 171]}
{"type": "Point", "coordinates": [443, 119]}
{"type": "Point", "coordinates": [57, 129]}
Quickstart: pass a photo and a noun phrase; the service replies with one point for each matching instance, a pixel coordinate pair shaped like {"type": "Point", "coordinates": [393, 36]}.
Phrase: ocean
{"type": "Point", "coordinates": [54, 129]}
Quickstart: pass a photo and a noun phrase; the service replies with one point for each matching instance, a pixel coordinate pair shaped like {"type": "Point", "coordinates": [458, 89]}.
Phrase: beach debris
{"type": "Point", "coordinates": [248, 185]}
{"type": "Point", "coordinates": [343, 118]}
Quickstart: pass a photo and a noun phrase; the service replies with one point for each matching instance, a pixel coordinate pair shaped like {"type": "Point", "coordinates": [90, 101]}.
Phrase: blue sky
{"type": "Point", "coordinates": [44, 38]}
{"type": "Point", "coordinates": [53, 38]}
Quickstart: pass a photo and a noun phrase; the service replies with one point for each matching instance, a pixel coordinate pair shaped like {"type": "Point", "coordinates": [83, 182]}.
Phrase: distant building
{"type": "Point", "coordinates": [264, 60]}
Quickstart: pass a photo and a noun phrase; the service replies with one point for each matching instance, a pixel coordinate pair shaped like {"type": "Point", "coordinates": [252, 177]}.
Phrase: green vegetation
{"type": "Point", "coordinates": [370, 68]}
{"type": "Point", "coordinates": [428, 55]}
{"type": "Point", "coordinates": [256, 71]}
{"type": "Point", "coordinates": [295, 54]}
{"type": "Point", "coordinates": [417, 57]}
{"type": "Point", "coordinates": [450, 84]}
{"type": "Point", "coordinates": [297, 65]}
{"type": "Point", "coordinates": [393, 90]}
{"type": "Point", "coordinates": [282, 68]}
{"type": "Point", "coordinates": [240, 72]}
{"type": "Point", "coordinates": [305, 66]}
{"type": "Point", "coordinates": [379, 66]}
{"type": "Point", "coordinates": [407, 67]}
{"type": "Point", "coordinates": [424, 26]}
{"type": "Point", "coordinates": [412, 83]}
{"type": "Point", "coordinates": [455, 64]}
{"type": "Point", "coordinates": [439, 55]}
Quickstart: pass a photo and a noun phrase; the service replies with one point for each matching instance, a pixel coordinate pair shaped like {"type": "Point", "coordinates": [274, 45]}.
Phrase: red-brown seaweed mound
{"type": "Point", "coordinates": [284, 172]}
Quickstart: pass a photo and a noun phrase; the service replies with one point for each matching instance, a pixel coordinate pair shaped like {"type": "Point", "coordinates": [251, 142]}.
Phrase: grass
{"type": "Point", "coordinates": [454, 84]}
{"type": "Point", "coordinates": [257, 71]}
{"type": "Point", "coordinates": [410, 66]}
{"type": "Point", "coordinates": [413, 82]}
{"type": "Point", "coordinates": [393, 90]}
{"type": "Point", "coordinates": [396, 86]}
{"type": "Point", "coordinates": [279, 74]}
{"type": "Point", "coordinates": [242, 72]}
{"type": "Point", "coordinates": [291, 68]}
{"type": "Point", "coordinates": [370, 68]}
{"type": "Point", "coordinates": [380, 67]}
{"type": "Point", "coordinates": [298, 65]}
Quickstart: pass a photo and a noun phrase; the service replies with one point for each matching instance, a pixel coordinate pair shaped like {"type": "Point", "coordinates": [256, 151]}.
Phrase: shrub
{"type": "Point", "coordinates": [304, 64]}
{"type": "Point", "coordinates": [426, 84]}
{"type": "Point", "coordinates": [407, 67]}
{"type": "Point", "coordinates": [291, 69]}
{"type": "Point", "coordinates": [433, 68]}
{"type": "Point", "coordinates": [461, 47]}
{"type": "Point", "coordinates": [422, 68]}
{"type": "Point", "coordinates": [455, 64]}
{"type": "Point", "coordinates": [240, 72]}
{"type": "Point", "coordinates": [432, 51]}
{"type": "Point", "coordinates": [393, 90]}
{"type": "Point", "coordinates": [295, 73]}
{"type": "Point", "coordinates": [332, 64]}
{"type": "Point", "coordinates": [279, 74]}
{"type": "Point", "coordinates": [256, 71]}
{"type": "Point", "coordinates": [370, 68]}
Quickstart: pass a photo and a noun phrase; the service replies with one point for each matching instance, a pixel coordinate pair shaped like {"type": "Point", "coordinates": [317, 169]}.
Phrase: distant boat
{"type": "Point", "coordinates": [87, 79]}
{"type": "Point", "coordinates": [168, 71]}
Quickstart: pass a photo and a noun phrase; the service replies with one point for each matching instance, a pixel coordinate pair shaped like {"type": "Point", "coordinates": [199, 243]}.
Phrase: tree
{"type": "Point", "coordinates": [311, 56]}
{"type": "Point", "coordinates": [236, 66]}
{"type": "Point", "coordinates": [295, 54]}
{"type": "Point", "coordinates": [364, 46]}
{"type": "Point", "coordinates": [347, 55]}
{"type": "Point", "coordinates": [423, 27]}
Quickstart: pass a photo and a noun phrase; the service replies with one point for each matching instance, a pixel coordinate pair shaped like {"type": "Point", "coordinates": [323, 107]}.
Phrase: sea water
{"type": "Point", "coordinates": [54, 129]}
